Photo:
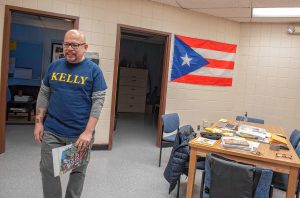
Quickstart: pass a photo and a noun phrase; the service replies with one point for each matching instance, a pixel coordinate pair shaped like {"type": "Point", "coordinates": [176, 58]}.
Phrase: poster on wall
{"type": "Point", "coordinates": [204, 62]}
{"type": "Point", "coordinates": [93, 56]}
{"type": "Point", "coordinates": [57, 51]}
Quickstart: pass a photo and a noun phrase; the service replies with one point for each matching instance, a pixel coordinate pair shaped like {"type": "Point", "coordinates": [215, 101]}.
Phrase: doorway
{"type": "Point", "coordinates": [20, 78]}
{"type": "Point", "coordinates": [140, 76]}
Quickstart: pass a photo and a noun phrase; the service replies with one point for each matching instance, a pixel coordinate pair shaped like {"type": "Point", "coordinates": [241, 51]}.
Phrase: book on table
{"type": "Point", "coordinates": [66, 158]}
{"type": "Point", "coordinates": [235, 142]}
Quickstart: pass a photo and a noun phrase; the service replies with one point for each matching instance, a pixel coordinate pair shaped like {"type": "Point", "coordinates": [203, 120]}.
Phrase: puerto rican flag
{"type": "Point", "coordinates": [199, 61]}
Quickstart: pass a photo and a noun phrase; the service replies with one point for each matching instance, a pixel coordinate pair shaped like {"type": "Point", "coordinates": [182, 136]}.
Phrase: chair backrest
{"type": "Point", "coordinates": [263, 187]}
{"type": "Point", "coordinates": [298, 150]}
{"type": "Point", "coordinates": [295, 138]}
{"type": "Point", "coordinates": [170, 122]}
{"type": "Point", "coordinates": [235, 179]}
{"type": "Point", "coordinates": [254, 120]}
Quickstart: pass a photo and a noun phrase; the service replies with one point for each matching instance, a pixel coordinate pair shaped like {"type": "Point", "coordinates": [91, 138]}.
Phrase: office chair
{"type": "Point", "coordinates": [227, 178]}
{"type": "Point", "coordinates": [280, 180]}
{"type": "Point", "coordinates": [254, 120]}
{"type": "Point", "coordinates": [295, 138]}
{"type": "Point", "coordinates": [170, 123]}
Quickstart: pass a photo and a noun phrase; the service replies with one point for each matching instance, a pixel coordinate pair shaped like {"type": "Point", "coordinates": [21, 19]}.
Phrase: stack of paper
{"type": "Point", "coordinates": [235, 142]}
{"type": "Point", "coordinates": [252, 132]}
{"type": "Point", "coordinates": [239, 143]}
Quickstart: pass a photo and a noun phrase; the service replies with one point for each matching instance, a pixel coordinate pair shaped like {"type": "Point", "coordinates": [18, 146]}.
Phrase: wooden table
{"type": "Point", "coordinates": [267, 160]}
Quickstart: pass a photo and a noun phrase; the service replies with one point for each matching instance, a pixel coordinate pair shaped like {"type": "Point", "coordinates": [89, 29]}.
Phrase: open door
{"type": "Point", "coordinates": [9, 10]}
{"type": "Point", "coordinates": [164, 79]}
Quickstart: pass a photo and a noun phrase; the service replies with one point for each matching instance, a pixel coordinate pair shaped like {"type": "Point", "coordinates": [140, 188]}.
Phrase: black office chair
{"type": "Point", "coordinates": [227, 178]}
{"type": "Point", "coordinates": [170, 123]}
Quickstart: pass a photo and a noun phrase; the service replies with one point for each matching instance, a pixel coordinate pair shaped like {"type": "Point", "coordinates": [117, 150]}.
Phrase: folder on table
{"type": "Point", "coordinates": [278, 139]}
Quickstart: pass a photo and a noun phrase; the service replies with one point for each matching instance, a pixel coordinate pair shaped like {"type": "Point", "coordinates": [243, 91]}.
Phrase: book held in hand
{"type": "Point", "coordinates": [66, 158]}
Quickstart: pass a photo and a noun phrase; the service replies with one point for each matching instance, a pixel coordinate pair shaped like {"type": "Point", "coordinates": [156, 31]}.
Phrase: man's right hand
{"type": "Point", "coordinates": [38, 132]}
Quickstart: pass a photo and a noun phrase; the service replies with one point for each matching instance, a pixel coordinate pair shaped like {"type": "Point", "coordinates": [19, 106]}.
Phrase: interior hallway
{"type": "Point", "coordinates": [130, 170]}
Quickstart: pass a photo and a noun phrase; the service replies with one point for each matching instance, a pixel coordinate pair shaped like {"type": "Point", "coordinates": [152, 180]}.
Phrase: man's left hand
{"type": "Point", "coordinates": [84, 140]}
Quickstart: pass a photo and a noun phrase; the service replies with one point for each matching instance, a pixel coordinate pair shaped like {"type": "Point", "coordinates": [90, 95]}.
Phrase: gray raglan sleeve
{"type": "Point", "coordinates": [43, 97]}
{"type": "Point", "coordinates": [98, 98]}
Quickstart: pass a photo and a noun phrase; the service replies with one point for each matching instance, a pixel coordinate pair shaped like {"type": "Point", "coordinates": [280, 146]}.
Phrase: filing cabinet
{"type": "Point", "coordinates": [132, 89]}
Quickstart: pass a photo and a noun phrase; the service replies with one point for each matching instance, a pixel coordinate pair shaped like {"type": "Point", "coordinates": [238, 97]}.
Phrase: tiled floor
{"type": "Point", "coordinates": [130, 170]}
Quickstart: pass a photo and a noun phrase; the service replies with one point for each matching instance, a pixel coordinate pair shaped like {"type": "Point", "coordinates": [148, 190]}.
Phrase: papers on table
{"type": "Point", "coordinates": [239, 143]}
{"type": "Point", "coordinates": [253, 132]}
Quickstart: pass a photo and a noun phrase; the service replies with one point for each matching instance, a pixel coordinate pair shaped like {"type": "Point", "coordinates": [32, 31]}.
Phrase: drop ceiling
{"type": "Point", "coordinates": [234, 10]}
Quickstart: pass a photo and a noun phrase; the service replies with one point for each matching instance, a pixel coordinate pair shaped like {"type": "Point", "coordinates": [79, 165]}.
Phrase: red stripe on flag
{"type": "Point", "coordinates": [204, 80]}
{"type": "Point", "coordinates": [213, 63]}
{"type": "Point", "coordinates": [208, 44]}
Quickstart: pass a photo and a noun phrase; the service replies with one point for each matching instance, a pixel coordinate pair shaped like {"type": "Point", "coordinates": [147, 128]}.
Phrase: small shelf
{"type": "Point", "coordinates": [29, 82]}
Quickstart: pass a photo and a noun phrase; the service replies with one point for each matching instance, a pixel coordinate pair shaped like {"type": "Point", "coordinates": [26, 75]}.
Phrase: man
{"type": "Point", "coordinates": [72, 93]}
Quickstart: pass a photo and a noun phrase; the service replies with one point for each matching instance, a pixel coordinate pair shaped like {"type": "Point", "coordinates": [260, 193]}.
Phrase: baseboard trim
{"type": "Point", "coordinates": [100, 147]}
{"type": "Point", "coordinates": [20, 123]}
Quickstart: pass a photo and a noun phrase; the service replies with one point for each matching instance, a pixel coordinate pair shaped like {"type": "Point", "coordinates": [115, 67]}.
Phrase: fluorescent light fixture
{"type": "Point", "coordinates": [275, 12]}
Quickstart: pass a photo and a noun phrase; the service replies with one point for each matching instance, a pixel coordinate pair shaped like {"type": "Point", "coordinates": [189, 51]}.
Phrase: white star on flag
{"type": "Point", "coordinates": [185, 60]}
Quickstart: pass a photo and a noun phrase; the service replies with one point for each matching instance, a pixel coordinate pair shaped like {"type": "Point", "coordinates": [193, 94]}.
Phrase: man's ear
{"type": "Point", "coordinates": [86, 46]}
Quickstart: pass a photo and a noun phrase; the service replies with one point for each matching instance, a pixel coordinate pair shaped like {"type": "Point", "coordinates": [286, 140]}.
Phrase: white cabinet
{"type": "Point", "coordinates": [132, 89]}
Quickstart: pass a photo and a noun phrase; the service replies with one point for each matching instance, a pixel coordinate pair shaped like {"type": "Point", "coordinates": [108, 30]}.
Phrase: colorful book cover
{"type": "Point", "coordinates": [68, 157]}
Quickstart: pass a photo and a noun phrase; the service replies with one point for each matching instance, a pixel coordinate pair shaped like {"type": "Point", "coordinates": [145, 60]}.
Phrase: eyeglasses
{"type": "Point", "coordinates": [73, 45]}
{"type": "Point", "coordinates": [283, 155]}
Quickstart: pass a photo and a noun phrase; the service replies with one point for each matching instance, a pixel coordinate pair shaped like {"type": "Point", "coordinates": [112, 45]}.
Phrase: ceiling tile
{"type": "Point", "coordinates": [227, 12]}
{"type": "Point", "coordinates": [235, 10]}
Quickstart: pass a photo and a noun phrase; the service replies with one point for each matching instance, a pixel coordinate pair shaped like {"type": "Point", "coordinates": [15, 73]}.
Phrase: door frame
{"type": "Point", "coordinates": [164, 81]}
{"type": "Point", "coordinates": [5, 56]}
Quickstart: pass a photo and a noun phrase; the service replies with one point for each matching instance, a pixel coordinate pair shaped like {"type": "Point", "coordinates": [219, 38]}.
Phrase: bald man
{"type": "Point", "coordinates": [69, 103]}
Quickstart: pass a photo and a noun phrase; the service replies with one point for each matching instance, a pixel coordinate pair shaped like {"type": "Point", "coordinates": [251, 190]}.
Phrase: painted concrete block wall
{"type": "Point", "coordinates": [270, 59]}
{"type": "Point", "coordinates": [258, 87]}
{"type": "Point", "coordinates": [99, 19]}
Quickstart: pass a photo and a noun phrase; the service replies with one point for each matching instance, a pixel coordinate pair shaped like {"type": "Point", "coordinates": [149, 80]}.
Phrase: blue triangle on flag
{"type": "Point", "coordinates": [183, 52]}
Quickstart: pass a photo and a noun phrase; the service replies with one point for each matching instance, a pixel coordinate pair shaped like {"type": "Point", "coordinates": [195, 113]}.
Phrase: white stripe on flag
{"type": "Point", "coordinates": [213, 54]}
{"type": "Point", "coordinates": [207, 71]}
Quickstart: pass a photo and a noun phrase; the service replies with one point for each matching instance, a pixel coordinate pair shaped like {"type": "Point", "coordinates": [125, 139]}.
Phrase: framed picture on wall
{"type": "Point", "coordinates": [57, 51]}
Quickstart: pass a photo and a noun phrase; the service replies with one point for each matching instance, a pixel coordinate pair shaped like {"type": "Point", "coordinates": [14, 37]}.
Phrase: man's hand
{"type": "Point", "coordinates": [39, 127]}
{"type": "Point", "coordinates": [84, 140]}
{"type": "Point", "coordinates": [38, 132]}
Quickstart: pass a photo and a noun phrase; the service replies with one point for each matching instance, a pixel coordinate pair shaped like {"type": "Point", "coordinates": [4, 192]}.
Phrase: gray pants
{"type": "Point", "coordinates": [51, 184]}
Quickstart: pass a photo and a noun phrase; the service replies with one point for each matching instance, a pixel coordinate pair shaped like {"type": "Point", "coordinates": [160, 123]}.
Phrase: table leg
{"type": "Point", "coordinates": [292, 183]}
{"type": "Point", "coordinates": [191, 174]}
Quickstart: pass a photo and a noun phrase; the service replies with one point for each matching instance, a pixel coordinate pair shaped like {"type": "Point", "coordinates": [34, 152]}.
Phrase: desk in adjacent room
{"type": "Point", "coordinates": [20, 107]}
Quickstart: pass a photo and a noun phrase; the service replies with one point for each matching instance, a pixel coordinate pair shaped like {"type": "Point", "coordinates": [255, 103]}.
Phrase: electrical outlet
{"type": "Point", "coordinates": [198, 127]}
